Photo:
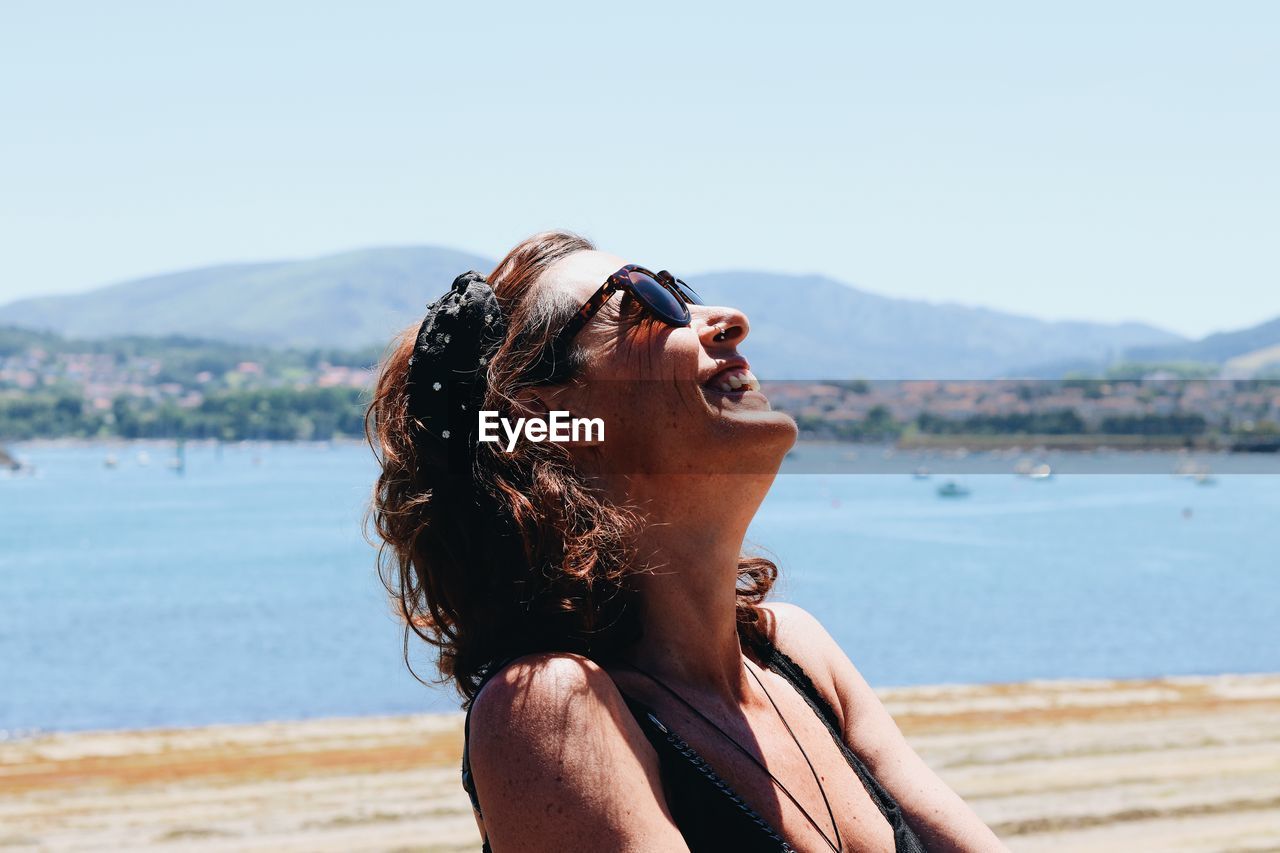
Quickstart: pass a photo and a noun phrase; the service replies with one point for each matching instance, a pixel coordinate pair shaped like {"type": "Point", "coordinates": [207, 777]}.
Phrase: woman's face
{"type": "Point", "coordinates": [664, 393]}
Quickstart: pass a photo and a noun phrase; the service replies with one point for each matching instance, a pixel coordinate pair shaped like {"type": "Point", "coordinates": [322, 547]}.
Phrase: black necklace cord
{"type": "Point", "coordinates": [838, 846]}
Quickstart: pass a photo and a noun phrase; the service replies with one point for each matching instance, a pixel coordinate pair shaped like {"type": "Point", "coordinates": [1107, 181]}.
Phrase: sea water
{"type": "Point", "coordinates": [243, 589]}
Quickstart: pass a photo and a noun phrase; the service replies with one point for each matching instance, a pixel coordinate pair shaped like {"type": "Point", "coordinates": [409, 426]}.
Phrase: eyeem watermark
{"type": "Point", "coordinates": [559, 427]}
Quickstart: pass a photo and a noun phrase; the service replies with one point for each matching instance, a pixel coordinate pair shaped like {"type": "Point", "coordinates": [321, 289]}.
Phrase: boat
{"type": "Point", "coordinates": [952, 489]}
{"type": "Point", "coordinates": [178, 462]}
{"type": "Point", "coordinates": [1191, 469]}
{"type": "Point", "coordinates": [1197, 472]}
{"type": "Point", "coordinates": [1033, 470]}
{"type": "Point", "coordinates": [111, 461]}
{"type": "Point", "coordinates": [921, 473]}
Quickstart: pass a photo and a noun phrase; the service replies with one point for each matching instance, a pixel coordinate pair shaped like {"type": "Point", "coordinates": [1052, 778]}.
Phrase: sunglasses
{"type": "Point", "coordinates": [664, 296]}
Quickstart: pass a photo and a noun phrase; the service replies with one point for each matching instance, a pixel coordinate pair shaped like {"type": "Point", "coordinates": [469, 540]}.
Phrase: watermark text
{"type": "Point", "coordinates": [559, 427]}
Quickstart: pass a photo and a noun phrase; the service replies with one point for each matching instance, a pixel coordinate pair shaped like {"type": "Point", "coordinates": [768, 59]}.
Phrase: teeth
{"type": "Point", "coordinates": [737, 380]}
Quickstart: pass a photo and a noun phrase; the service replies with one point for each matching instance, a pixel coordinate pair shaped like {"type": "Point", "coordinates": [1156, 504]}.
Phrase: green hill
{"type": "Point", "coordinates": [803, 327]}
{"type": "Point", "coordinates": [349, 300]}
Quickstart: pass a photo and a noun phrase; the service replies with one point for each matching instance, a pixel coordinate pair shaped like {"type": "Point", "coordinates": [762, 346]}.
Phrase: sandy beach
{"type": "Point", "coordinates": [1181, 764]}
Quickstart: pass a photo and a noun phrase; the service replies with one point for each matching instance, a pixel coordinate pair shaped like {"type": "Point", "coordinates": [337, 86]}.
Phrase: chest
{"type": "Point", "coordinates": [781, 769]}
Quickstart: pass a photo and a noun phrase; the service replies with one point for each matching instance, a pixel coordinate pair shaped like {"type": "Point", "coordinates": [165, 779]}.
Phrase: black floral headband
{"type": "Point", "coordinates": [449, 365]}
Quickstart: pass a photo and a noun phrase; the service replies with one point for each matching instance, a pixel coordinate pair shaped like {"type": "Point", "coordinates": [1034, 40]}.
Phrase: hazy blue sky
{"type": "Point", "coordinates": [1100, 160]}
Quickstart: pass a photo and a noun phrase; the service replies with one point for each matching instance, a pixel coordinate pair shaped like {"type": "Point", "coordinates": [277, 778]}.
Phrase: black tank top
{"type": "Point", "coordinates": [708, 813]}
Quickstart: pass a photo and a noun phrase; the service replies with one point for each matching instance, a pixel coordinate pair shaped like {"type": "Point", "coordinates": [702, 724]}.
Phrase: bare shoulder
{"type": "Point", "coordinates": [795, 628]}
{"type": "Point", "coordinates": [865, 722]}
{"type": "Point", "coordinates": [532, 705]}
{"type": "Point", "coordinates": [803, 638]}
{"type": "Point", "coordinates": [938, 814]}
{"type": "Point", "coordinates": [560, 764]}
{"type": "Point", "coordinates": [530, 693]}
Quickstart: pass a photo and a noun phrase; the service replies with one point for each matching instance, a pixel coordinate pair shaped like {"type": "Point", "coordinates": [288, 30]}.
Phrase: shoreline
{"type": "Point", "coordinates": [886, 692]}
{"type": "Point", "coordinates": [80, 443]}
{"type": "Point", "coordinates": [972, 442]}
{"type": "Point", "coordinates": [1177, 763]}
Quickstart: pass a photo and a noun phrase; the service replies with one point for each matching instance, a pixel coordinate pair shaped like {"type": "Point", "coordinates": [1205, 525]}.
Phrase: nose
{"type": "Point", "coordinates": [723, 325]}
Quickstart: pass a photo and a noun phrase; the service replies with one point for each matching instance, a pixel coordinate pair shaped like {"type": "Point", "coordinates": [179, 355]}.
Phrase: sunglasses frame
{"type": "Point", "coordinates": [621, 281]}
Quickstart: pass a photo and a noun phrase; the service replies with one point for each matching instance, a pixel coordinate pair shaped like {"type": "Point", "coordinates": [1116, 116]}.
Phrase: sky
{"type": "Point", "coordinates": [1086, 160]}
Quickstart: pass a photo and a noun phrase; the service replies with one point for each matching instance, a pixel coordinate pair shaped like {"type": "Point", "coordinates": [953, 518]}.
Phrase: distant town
{"type": "Point", "coordinates": [178, 387]}
{"type": "Point", "coordinates": [1135, 411]}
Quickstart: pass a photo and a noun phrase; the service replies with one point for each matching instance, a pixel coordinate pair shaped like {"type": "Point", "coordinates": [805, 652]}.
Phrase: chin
{"type": "Point", "coordinates": [722, 433]}
{"type": "Point", "coordinates": [748, 406]}
{"type": "Point", "coordinates": [753, 441]}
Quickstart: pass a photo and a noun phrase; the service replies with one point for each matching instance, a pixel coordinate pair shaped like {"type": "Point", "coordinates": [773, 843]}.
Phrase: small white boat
{"type": "Point", "coordinates": [1041, 472]}
{"type": "Point", "coordinates": [111, 461]}
{"type": "Point", "coordinates": [1191, 469]}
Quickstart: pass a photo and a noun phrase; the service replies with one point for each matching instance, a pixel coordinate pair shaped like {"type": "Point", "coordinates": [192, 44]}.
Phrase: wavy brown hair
{"type": "Point", "coordinates": [526, 555]}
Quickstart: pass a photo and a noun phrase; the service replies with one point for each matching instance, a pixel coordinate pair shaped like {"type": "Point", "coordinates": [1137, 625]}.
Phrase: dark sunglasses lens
{"type": "Point", "coordinates": [662, 302]}
{"type": "Point", "coordinates": [689, 293]}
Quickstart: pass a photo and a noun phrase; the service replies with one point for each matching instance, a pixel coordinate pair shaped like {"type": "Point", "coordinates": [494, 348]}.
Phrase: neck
{"type": "Point", "coordinates": [688, 562]}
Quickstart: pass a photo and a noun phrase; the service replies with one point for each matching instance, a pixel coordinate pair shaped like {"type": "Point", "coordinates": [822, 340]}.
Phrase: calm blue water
{"type": "Point", "coordinates": [243, 590]}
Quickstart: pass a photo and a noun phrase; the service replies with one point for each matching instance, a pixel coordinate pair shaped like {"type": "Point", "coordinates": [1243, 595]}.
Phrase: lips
{"type": "Point", "coordinates": [735, 377]}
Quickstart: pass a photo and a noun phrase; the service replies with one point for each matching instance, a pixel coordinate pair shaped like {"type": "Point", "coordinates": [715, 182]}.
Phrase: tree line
{"type": "Point", "coordinates": [277, 414]}
{"type": "Point", "coordinates": [880, 425]}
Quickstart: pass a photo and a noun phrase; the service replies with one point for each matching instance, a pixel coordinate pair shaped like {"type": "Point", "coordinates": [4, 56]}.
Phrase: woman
{"type": "Point", "coordinates": [627, 686]}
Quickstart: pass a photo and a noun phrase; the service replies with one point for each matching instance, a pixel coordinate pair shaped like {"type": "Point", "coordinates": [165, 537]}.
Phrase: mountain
{"type": "Point", "coordinates": [802, 327]}
{"type": "Point", "coordinates": [1252, 346]}
{"type": "Point", "coordinates": [815, 327]}
{"type": "Point", "coordinates": [349, 300]}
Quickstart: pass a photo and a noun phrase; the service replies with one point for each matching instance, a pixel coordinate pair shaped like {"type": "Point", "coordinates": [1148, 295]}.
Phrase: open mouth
{"type": "Point", "coordinates": [733, 382]}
